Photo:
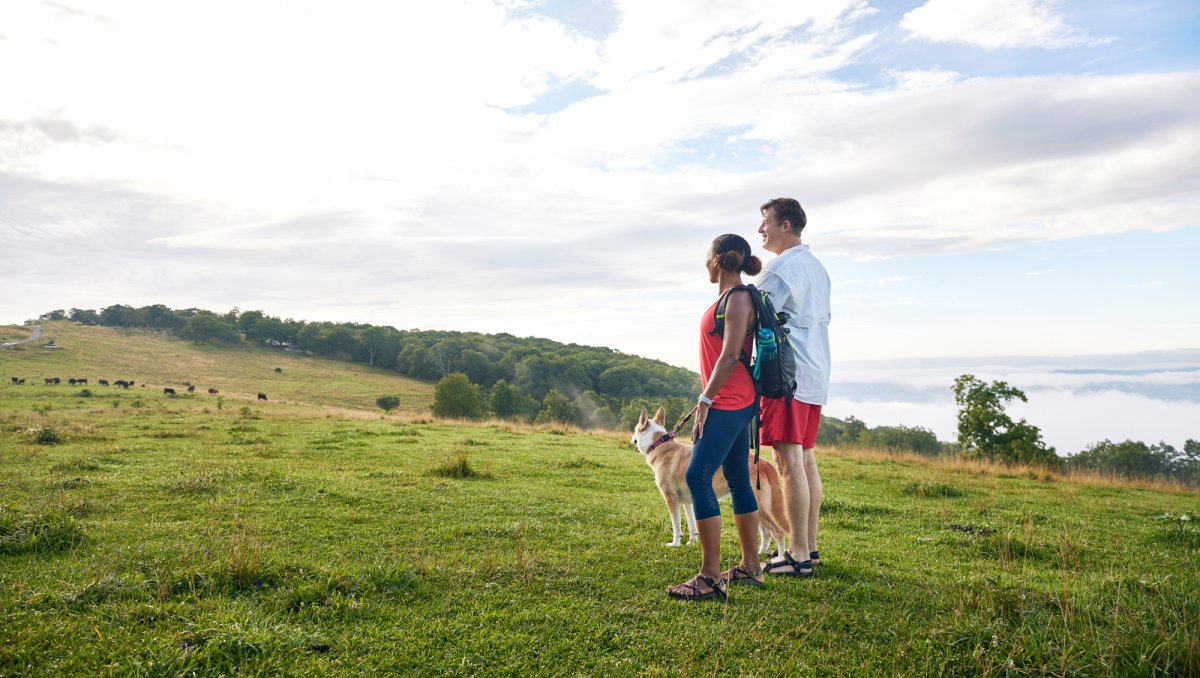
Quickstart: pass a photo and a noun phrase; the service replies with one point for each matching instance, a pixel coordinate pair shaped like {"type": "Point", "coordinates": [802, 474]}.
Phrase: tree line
{"type": "Point", "coordinates": [539, 380]}
{"type": "Point", "coordinates": [524, 378]}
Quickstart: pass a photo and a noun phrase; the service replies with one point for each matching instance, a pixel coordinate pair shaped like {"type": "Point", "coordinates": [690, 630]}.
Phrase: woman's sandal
{"type": "Point", "coordinates": [740, 575]}
{"type": "Point", "coordinates": [799, 569]}
{"type": "Point", "coordinates": [815, 558]}
{"type": "Point", "coordinates": [690, 590]}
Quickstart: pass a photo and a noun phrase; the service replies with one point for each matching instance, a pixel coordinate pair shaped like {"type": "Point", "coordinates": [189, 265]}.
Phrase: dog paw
{"type": "Point", "coordinates": [674, 543]}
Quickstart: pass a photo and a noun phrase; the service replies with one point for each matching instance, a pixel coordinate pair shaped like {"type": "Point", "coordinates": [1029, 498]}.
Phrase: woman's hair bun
{"type": "Point", "coordinates": [731, 260]}
{"type": "Point", "coordinates": [733, 254]}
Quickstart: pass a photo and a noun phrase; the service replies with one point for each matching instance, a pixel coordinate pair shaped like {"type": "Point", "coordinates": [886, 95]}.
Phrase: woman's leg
{"type": "Point", "coordinates": [708, 454]}
{"type": "Point", "coordinates": [745, 506]}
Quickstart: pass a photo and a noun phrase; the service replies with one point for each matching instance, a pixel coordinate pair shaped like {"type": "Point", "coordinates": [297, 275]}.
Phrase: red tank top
{"type": "Point", "coordinates": [738, 391]}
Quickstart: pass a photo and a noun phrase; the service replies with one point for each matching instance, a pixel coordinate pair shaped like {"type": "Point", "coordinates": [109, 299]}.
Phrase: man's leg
{"type": "Point", "coordinates": [796, 498]}
{"type": "Point", "coordinates": [815, 492]}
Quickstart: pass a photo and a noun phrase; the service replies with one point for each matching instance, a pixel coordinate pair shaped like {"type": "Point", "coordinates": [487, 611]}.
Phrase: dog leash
{"type": "Point", "coordinates": [669, 436]}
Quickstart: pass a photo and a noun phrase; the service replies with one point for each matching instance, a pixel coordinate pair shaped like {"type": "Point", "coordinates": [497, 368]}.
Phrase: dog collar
{"type": "Point", "coordinates": [658, 442]}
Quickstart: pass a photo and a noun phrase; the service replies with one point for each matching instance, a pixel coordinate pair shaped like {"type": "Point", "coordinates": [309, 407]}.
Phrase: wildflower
{"type": "Point", "coordinates": [1184, 518]}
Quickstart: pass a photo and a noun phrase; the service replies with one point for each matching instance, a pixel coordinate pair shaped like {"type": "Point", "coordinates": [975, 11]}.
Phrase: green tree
{"type": "Point", "coordinates": [84, 316]}
{"type": "Point", "coordinates": [387, 403]}
{"type": "Point", "coordinates": [456, 396]}
{"type": "Point", "coordinates": [556, 407]}
{"type": "Point", "coordinates": [911, 439]}
{"type": "Point", "coordinates": [1131, 458]}
{"type": "Point", "coordinates": [507, 402]}
{"type": "Point", "coordinates": [985, 430]}
{"type": "Point", "coordinates": [380, 345]}
{"type": "Point", "coordinates": [206, 327]}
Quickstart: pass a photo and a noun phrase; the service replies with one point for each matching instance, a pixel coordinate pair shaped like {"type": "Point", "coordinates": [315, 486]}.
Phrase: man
{"type": "Point", "coordinates": [799, 286]}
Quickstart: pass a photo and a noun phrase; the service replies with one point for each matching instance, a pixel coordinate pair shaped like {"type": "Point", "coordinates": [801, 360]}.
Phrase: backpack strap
{"type": "Point", "coordinates": [719, 312]}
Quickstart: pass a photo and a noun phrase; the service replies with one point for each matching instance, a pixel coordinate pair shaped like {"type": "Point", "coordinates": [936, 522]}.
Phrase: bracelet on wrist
{"type": "Point", "coordinates": [706, 400]}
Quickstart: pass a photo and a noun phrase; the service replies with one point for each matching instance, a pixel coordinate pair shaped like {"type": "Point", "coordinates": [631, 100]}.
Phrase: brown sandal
{"type": "Point", "coordinates": [740, 575]}
{"type": "Point", "coordinates": [690, 590]}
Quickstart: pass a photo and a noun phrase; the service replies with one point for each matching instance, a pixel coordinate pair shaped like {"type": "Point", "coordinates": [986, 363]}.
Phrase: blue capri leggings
{"type": "Point", "coordinates": [726, 443]}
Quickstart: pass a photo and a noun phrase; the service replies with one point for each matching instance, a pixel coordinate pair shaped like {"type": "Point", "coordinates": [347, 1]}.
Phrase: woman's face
{"type": "Point", "coordinates": [714, 271]}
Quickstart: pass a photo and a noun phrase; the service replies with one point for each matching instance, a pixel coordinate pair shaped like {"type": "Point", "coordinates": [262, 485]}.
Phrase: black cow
{"type": "Point", "coordinates": [191, 388]}
{"type": "Point", "coordinates": [104, 382]}
{"type": "Point", "coordinates": [168, 391]}
{"type": "Point", "coordinates": [213, 391]}
{"type": "Point", "coordinates": [81, 382]}
{"type": "Point", "coordinates": [21, 381]}
{"type": "Point", "coordinates": [262, 396]}
{"type": "Point", "coordinates": [14, 379]}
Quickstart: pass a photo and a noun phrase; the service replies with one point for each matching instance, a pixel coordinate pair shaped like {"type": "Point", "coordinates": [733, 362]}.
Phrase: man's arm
{"type": "Point", "coordinates": [773, 285]}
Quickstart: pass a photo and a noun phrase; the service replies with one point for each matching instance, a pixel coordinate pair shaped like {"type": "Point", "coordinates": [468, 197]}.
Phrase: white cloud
{"type": "Point", "coordinates": [317, 160]}
{"type": "Point", "coordinates": [994, 24]}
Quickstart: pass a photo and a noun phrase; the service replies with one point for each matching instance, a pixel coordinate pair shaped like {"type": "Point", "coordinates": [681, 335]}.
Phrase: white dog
{"type": "Point", "coordinates": [669, 459]}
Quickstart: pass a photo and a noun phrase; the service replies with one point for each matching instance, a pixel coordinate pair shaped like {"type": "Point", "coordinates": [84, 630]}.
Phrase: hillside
{"type": "Point", "coordinates": [154, 359]}
{"type": "Point", "coordinates": [143, 534]}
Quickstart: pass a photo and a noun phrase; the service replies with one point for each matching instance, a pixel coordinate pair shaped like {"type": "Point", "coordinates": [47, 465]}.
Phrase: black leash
{"type": "Point", "coordinates": [668, 436]}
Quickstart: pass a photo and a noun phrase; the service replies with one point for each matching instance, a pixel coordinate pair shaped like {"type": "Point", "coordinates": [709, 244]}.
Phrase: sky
{"type": "Point", "coordinates": [1008, 178]}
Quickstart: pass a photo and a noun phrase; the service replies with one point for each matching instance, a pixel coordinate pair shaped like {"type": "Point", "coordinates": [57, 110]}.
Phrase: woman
{"type": "Point", "coordinates": [720, 434]}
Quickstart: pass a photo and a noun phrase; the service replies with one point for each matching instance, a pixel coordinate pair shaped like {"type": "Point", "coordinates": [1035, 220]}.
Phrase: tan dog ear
{"type": "Point", "coordinates": [661, 417]}
{"type": "Point", "coordinates": [642, 419]}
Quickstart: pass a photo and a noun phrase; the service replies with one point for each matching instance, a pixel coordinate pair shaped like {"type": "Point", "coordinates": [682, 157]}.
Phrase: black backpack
{"type": "Point", "coordinates": [773, 366]}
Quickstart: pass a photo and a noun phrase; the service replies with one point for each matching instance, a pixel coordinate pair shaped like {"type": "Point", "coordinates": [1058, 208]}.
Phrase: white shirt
{"type": "Point", "coordinates": [799, 286]}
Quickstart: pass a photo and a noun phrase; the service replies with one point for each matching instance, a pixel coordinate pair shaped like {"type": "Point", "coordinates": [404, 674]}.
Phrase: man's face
{"type": "Point", "coordinates": [773, 232]}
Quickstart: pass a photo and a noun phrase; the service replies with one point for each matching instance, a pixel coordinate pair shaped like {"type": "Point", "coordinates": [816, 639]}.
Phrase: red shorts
{"type": "Point", "coordinates": [789, 421]}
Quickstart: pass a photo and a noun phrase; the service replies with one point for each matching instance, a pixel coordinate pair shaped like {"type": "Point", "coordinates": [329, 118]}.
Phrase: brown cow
{"type": "Point", "coordinates": [212, 391]}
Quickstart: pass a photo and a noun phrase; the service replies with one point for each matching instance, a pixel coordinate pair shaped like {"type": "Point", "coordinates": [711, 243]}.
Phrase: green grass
{"type": "Point", "coordinates": [314, 538]}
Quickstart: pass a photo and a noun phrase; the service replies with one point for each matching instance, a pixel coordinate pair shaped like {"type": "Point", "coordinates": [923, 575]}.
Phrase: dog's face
{"type": "Point", "coordinates": [648, 430]}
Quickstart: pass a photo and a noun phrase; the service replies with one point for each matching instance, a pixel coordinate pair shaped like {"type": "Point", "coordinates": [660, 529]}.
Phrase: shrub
{"type": "Point", "coordinates": [45, 435]}
{"type": "Point", "coordinates": [926, 488]}
{"type": "Point", "coordinates": [458, 467]}
{"type": "Point", "coordinates": [456, 396]}
{"type": "Point", "coordinates": [85, 393]}
{"type": "Point", "coordinates": [38, 533]}
{"type": "Point", "coordinates": [387, 403]}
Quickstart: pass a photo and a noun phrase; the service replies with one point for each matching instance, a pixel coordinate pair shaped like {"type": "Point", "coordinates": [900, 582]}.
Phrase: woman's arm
{"type": "Point", "coordinates": [739, 315]}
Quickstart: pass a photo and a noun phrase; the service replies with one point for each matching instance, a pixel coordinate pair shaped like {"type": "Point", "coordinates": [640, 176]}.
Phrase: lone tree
{"type": "Point", "coordinates": [388, 402]}
{"type": "Point", "coordinates": [456, 396]}
{"type": "Point", "coordinates": [985, 430]}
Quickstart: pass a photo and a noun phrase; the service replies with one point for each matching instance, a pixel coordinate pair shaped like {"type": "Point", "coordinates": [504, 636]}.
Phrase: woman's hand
{"type": "Point", "coordinates": [698, 424]}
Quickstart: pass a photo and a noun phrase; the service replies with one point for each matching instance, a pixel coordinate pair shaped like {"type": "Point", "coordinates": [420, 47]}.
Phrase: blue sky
{"type": "Point", "coordinates": [982, 178]}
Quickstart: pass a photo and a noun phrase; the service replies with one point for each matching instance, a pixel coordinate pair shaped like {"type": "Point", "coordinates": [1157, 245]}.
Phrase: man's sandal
{"type": "Point", "coordinates": [740, 575]}
{"type": "Point", "coordinates": [799, 569]}
{"type": "Point", "coordinates": [690, 590]}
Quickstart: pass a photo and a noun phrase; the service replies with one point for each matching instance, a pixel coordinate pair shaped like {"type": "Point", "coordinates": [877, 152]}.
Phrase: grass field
{"type": "Point", "coordinates": [161, 535]}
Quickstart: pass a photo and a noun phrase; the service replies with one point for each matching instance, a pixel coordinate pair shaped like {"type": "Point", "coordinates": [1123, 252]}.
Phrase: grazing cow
{"type": "Point", "coordinates": [191, 388]}
{"type": "Point", "coordinates": [49, 381]}
{"type": "Point", "coordinates": [168, 391]}
{"type": "Point", "coordinates": [14, 379]}
{"type": "Point", "coordinates": [81, 382]}
{"type": "Point", "coordinates": [262, 396]}
{"type": "Point", "coordinates": [212, 391]}
{"type": "Point", "coordinates": [104, 382]}
{"type": "Point", "coordinates": [72, 381]}
{"type": "Point", "coordinates": [21, 381]}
